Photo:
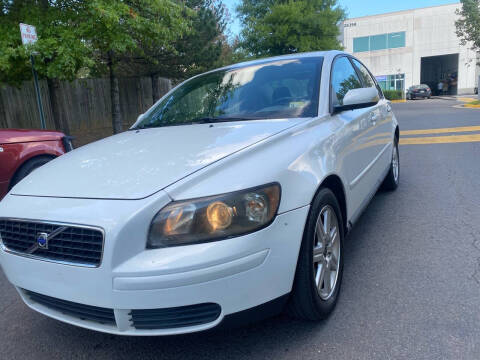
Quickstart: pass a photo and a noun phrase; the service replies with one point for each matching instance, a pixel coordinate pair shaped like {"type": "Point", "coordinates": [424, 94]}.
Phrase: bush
{"type": "Point", "coordinates": [393, 94]}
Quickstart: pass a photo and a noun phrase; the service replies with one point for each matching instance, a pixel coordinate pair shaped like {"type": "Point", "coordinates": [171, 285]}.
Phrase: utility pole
{"type": "Point", "coordinates": [29, 36]}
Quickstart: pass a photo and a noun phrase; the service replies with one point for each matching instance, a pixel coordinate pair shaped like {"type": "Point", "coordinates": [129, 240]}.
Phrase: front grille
{"type": "Point", "coordinates": [83, 312]}
{"type": "Point", "coordinates": [72, 245]}
{"type": "Point", "coordinates": [170, 318]}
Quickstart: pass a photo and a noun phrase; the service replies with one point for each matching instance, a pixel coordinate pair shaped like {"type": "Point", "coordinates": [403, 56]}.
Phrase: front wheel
{"type": "Point", "coordinates": [393, 177]}
{"type": "Point", "coordinates": [320, 263]}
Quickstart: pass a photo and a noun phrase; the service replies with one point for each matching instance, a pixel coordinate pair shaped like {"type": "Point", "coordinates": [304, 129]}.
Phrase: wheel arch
{"type": "Point", "coordinates": [334, 183]}
{"type": "Point", "coordinates": [24, 162]}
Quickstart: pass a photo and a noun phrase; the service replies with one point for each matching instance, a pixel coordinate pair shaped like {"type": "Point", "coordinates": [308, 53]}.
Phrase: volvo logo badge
{"type": "Point", "coordinates": [42, 241]}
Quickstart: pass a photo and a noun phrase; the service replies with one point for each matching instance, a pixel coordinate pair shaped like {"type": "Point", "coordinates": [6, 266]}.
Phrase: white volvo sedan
{"type": "Point", "coordinates": [229, 199]}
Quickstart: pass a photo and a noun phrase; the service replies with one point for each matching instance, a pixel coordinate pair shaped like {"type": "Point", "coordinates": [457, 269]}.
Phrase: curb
{"type": "Point", "coordinates": [398, 101]}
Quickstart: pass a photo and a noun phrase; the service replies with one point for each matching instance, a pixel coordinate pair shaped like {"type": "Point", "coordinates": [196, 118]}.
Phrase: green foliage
{"type": "Point", "coordinates": [75, 35]}
{"type": "Point", "coordinates": [393, 94]}
{"type": "Point", "coordinates": [202, 48]}
{"type": "Point", "coordinates": [199, 50]}
{"type": "Point", "coordinates": [119, 29]}
{"type": "Point", "coordinates": [277, 27]}
{"type": "Point", "coordinates": [61, 51]}
{"type": "Point", "coordinates": [468, 26]}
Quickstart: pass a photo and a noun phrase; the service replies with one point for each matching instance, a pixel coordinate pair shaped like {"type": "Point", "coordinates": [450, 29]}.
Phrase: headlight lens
{"type": "Point", "coordinates": [214, 218]}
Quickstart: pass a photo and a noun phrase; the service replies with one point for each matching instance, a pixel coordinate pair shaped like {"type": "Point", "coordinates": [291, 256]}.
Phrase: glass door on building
{"type": "Point", "coordinates": [392, 82]}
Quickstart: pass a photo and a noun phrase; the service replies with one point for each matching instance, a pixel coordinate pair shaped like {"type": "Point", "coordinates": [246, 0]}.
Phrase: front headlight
{"type": "Point", "coordinates": [215, 217]}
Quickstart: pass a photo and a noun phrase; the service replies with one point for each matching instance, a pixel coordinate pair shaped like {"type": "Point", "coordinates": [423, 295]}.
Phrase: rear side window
{"type": "Point", "coordinates": [344, 78]}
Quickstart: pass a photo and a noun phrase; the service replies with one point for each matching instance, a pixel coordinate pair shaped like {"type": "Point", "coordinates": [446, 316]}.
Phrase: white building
{"type": "Point", "coordinates": [413, 47]}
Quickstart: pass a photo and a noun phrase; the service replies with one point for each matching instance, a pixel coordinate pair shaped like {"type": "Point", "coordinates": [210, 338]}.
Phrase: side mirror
{"type": "Point", "coordinates": [358, 99]}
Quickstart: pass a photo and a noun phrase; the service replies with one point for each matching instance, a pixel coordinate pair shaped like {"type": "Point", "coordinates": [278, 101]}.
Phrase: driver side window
{"type": "Point", "coordinates": [344, 78]}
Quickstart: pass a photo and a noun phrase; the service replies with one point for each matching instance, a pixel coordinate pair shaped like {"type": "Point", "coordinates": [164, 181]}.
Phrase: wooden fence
{"type": "Point", "coordinates": [84, 104]}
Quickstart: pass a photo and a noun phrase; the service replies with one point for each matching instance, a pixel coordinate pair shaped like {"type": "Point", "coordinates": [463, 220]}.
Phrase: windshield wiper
{"type": "Point", "coordinates": [141, 127]}
{"type": "Point", "coordinates": [212, 120]}
{"type": "Point", "coordinates": [204, 120]}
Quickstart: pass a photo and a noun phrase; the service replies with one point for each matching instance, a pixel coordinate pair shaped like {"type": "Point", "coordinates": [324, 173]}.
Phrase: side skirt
{"type": "Point", "coordinates": [367, 200]}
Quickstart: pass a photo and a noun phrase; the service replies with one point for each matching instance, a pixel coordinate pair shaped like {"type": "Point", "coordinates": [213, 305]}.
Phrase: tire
{"type": "Point", "coordinates": [308, 301]}
{"type": "Point", "coordinates": [28, 167]}
{"type": "Point", "coordinates": [393, 177]}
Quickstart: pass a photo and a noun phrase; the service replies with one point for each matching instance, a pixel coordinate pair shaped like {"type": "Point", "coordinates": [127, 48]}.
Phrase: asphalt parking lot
{"type": "Point", "coordinates": [411, 287]}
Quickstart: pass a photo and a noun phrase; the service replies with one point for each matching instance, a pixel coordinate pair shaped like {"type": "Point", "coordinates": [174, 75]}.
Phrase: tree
{"type": "Point", "coordinates": [468, 26]}
{"type": "Point", "coordinates": [198, 51]}
{"type": "Point", "coordinates": [277, 27]}
{"type": "Point", "coordinates": [60, 51]}
{"type": "Point", "coordinates": [117, 30]}
{"type": "Point", "coordinates": [76, 34]}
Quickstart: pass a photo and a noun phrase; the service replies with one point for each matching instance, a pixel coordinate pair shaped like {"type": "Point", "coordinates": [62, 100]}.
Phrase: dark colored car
{"type": "Point", "coordinates": [22, 151]}
{"type": "Point", "coordinates": [419, 91]}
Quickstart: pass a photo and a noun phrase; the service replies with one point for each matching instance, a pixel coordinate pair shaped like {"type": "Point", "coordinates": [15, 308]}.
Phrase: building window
{"type": "Point", "coordinates": [379, 42]}
{"type": "Point", "coordinates": [391, 82]}
{"type": "Point", "coordinates": [361, 44]}
{"type": "Point", "coordinates": [396, 40]}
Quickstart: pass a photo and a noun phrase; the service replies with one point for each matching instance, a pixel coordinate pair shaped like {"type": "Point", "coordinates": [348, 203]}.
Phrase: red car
{"type": "Point", "coordinates": [22, 151]}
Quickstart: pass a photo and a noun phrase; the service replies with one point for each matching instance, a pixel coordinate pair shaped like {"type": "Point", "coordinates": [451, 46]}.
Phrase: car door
{"type": "Point", "coordinates": [380, 138]}
{"type": "Point", "coordinates": [357, 134]}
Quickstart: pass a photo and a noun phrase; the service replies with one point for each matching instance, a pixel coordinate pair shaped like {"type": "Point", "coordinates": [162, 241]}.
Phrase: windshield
{"type": "Point", "coordinates": [271, 90]}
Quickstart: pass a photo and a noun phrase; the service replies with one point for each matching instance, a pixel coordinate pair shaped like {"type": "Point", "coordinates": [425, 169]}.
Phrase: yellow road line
{"type": "Point", "coordinates": [441, 131]}
{"type": "Point", "coordinates": [440, 139]}
{"type": "Point", "coordinates": [465, 99]}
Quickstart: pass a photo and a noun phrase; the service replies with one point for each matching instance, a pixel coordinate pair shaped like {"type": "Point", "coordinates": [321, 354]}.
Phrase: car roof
{"type": "Point", "coordinates": [325, 54]}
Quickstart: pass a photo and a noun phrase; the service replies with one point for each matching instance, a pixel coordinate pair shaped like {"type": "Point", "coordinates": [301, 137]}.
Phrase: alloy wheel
{"type": "Point", "coordinates": [326, 252]}
{"type": "Point", "coordinates": [395, 164]}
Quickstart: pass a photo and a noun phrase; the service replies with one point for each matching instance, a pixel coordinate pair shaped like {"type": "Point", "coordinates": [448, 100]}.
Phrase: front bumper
{"type": "Point", "coordinates": [236, 274]}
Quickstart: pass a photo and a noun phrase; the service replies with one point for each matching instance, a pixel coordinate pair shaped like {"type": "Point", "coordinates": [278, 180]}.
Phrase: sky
{"type": "Point", "coordinates": [355, 8]}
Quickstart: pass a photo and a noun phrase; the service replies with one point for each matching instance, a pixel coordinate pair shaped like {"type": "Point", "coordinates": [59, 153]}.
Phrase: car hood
{"type": "Point", "coordinates": [12, 136]}
{"type": "Point", "coordinates": [137, 164]}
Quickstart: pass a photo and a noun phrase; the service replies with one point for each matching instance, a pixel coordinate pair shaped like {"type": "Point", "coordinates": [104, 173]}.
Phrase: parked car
{"type": "Point", "coordinates": [230, 198]}
{"type": "Point", "coordinates": [419, 91]}
{"type": "Point", "coordinates": [22, 151]}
